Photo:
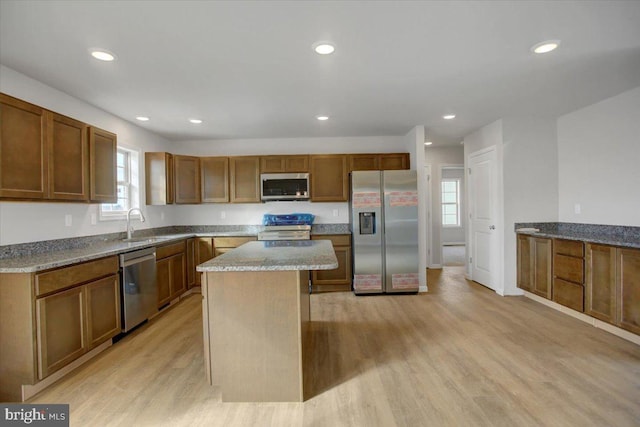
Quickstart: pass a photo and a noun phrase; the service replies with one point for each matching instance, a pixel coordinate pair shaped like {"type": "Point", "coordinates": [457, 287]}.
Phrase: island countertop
{"type": "Point", "coordinates": [275, 256]}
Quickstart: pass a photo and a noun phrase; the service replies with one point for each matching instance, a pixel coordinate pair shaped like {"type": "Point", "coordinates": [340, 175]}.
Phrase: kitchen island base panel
{"type": "Point", "coordinates": [256, 326]}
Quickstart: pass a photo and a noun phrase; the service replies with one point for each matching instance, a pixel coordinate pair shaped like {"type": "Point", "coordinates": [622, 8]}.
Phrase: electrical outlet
{"type": "Point", "coordinates": [223, 214]}
{"type": "Point", "coordinates": [162, 216]}
{"type": "Point", "coordinates": [576, 209]}
{"type": "Point", "coordinates": [93, 219]}
{"type": "Point", "coordinates": [68, 220]}
{"type": "Point", "coordinates": [335, 212]}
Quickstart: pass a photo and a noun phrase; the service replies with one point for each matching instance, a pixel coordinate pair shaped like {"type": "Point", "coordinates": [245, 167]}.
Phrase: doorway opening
{"type": "Point", "coordinates": [452, 218]}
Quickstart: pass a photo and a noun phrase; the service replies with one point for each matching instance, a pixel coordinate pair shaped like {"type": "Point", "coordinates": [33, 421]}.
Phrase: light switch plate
{"type": "Point", "coordinates": [93, 219]}
{"type": "Point", "coordinates": [68, 220]}
{"type": "Point", "coordinates": [576, 208]}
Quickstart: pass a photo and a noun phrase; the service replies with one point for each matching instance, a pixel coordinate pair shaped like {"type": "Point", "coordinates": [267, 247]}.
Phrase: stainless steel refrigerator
{"type": "Point", "coordinates": [384, 224]}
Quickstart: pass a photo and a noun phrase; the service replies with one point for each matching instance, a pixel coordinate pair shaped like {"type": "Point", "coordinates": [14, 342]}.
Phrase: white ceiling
{"type": "Point", "coordinates": [247, 68]}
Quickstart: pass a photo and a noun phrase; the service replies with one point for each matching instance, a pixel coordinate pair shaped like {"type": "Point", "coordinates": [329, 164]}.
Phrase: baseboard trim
{"type": "Point", "coordinates": [619, 332]}
{"type": "Point", "coordinates": [30, 390]}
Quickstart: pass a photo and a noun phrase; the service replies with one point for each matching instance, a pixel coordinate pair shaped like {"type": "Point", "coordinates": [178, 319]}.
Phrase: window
{"type": "Point", "coordinates": [128, 192]}
{"type": "Point", "coordinates": [451, 202]}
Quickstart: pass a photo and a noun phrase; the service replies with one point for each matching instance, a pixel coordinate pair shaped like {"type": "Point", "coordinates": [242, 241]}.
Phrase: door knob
{"type": "Point", "coordinates": [492, 227]}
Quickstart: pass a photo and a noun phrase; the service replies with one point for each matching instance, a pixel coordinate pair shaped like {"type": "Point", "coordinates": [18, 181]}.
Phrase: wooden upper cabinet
{"type": "Point", "coordinates": [364, 162]}
{"type": "Point", "coordinates": [377, 161]}
{"type": "Point", "coordinates": [23, 150]}
{"type": "Point", "coordinates": [214, 179]}
{"type": "Point", "coordinates": [158, 172]}
{"type": "Point", "coordinates": [244, 173]}
{"type": "Point", "coordinates": [394, 161]}
{"type": "Point", "coordinates": [68, 158]}
{"type": "Point", "coordinates": [329, 178]}
{"type": "Point", "coordinates": [187, 179]}
{"type": "Point", "coordinates": [281, 164]}
{"type": "Point", "coordinates": [102, 166]}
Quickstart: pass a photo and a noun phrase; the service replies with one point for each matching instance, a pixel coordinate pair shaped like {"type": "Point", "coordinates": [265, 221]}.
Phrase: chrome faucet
{"type": "Point", "coordinates": [129, 227]}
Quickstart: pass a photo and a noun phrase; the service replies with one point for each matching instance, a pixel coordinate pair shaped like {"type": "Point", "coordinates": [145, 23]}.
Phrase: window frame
{"type": "Point", "coordinates": [130, 183]}
{"type": "Point", "coordinates": [456, 203]}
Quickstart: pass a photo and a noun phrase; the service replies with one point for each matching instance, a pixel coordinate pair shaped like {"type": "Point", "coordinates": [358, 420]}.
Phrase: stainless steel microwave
{"type": "Point", "coordinates": [284, 186]}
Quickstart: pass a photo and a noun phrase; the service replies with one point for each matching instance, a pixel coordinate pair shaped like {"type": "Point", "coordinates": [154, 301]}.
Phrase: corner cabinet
{"type": "Point", "coordinates": [329, 178]}
{"type": "Point", "coordinates": [244, 179]}
{"type": "Point", "coordinates": [340, 278]}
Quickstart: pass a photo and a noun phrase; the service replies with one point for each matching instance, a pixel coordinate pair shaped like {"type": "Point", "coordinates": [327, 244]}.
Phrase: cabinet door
{"type": "Point", "coordinates": [215, 179]}
{"type": "Point", "coordinates": [339, 276]}
{"type": "Point", "coordinates": [628, 281]}
{"type": "Point", "coordinates": [23, 150]}
{"type": "Point", "coordinates": [158, 171]}
{"type": "Point", "coordinates": [191, 263]}
{"type": "Point", "coordinates": [244, 179]}
{"type": "Point", "coordinates": [102, 166]}
{"type": "Point", "coordinates": [163, 281]}
{"type": "Point", "coordinates": [542, 271]}
{"type": "Point", "coordinates": [524, 263]}
{"type": "Point", "coordinates": [600, 298]}
{"type": "Point", "coordinates": [60, 330]}
{"type": "Point", "coordinates": [68, 159]}
{"type": "Point", "coordinates": [204, 252]}
{"type": "Point", "coordinates": [296, 163]}
{"type": "Point", "coordinates": [187, 179]}
{"type": "Point", "coordinates": [364, 162]}
{"type": "Point", "coordinates": [177, 283]}
{"type": "Point", "coordinates": [394, 161]}
{"type": "Point", "coordinates": [272, 164]}
{"type": "Point", "coordinates": [102, 299]}
{"type": "Point", "coordinates": [329, 178]}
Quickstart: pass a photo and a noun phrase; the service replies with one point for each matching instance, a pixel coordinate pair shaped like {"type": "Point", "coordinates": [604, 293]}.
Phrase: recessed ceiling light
{"type": "Point", "coordinates": [449, 116]}
{"type": "Point", "coordinates": [323, 48]}
{"type": "Point", "coordinates": [545, 46]}
{"type": "Point", "coordinates": [102, 55]}
{"type": "Point", "coordinates": [322, 118]}
{"type": "Point", "coordinates": [142, 118]}
{"type": "Point", "coordinates": [428, 143]}
{"type": "Point", "coordinates": [195, 121]}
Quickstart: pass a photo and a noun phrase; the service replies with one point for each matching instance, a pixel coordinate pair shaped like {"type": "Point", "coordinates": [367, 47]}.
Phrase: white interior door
{"type": "Point", "coordinates": [483, 187]}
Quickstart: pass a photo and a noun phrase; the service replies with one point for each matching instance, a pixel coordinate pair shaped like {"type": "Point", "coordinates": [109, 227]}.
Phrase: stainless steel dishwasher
{"type": "Point", "coordinates": [138, 287]}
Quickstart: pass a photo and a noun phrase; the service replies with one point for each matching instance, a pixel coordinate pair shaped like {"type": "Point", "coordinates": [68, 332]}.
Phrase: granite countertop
{"type": "Point", "coordinates": [276, 256]}
{"type": "Point", "coordinates": [614, 235]}
{"type": "Point", "coordinates": [38, 256]}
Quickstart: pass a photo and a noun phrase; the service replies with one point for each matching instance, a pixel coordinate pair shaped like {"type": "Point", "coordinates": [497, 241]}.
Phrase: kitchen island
{"type": "Point", "coordinates": [256, 315]}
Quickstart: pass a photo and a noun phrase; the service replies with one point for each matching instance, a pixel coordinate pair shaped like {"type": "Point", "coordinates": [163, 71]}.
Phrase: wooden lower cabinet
{"type": "Point", "coordinates": [171, 275]}
{"type": "Point", "coordinates": [535, 265]}
{"type": "Point", "coordinates": [600, 298]}
{"type": "Point", "coordinates": [72, 321]}
{"type": "Point", "coordinates": [102, 299]}
{"type": "Point", "coordinates": [222, 245]}
{"type": "Point", "coordinates": [203, 247]}
{"type": "Point", "coordinates": [61, 333]}
{"type": "Point", "coordinates": [191, 263]}
{"type": "Point", "coordinates": [628, 287]}
{"type": "Point", "coordinates": [340, 278]}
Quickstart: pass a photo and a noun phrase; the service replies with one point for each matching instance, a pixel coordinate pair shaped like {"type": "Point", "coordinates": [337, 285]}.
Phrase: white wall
{"type": "Point", "coordinates": [436, 158]}
{"type": "Point", "coordinates": [599, 162]}
{"type": "Point", "coordinates": [26, 222]}
{"type": "Point", "coordinates": [530, 168]}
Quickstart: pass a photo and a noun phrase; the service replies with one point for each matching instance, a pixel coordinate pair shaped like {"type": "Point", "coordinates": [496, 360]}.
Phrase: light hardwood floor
{"type": "Point", "coordinates": [459, 355]}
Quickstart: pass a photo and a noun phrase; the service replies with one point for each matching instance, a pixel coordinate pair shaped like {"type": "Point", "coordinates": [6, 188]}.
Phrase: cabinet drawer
{"type": "Point", "coordinates": [568, 268]}
{"type": "Point", "coordinates": [168, 250]}
{"type": "Point", "coordinates": [231, 242]}
{"type": "Point", "coordinates": [568, 294]}
{"type": "Point", "coordinates": [568, 247]}
{"type": "Point", "coordinates": [336, 240]}
{"type": "Point", "coordinates": [66, 277]}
